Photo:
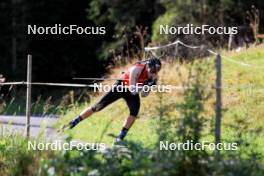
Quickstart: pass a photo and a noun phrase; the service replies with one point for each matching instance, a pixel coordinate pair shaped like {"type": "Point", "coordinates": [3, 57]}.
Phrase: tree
{"type": "Point", "coordinates": [123, 18]}
{"type": "Point", "coordinates": [55, 57]}
{"type": "Point", "coordinates": [210, 12]}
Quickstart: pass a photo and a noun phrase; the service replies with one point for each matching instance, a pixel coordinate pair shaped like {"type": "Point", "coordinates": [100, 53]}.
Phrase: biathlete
{"type": "Point", "coordinates": [143, 73]}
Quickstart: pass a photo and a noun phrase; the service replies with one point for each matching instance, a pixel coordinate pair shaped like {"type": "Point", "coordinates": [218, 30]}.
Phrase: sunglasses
{"type": "Point", "coordinates": [154, 70]}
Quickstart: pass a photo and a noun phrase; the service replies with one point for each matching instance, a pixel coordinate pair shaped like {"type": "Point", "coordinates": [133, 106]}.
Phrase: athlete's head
{"type": "Point", "coordinates": [154, 65]}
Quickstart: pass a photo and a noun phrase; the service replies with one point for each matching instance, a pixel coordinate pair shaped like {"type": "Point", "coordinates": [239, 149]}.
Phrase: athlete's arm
{"type": "Point", "coordinates": [144, 93]}
{"type": "Point", "coordinates": [155, 77]}
{"type": "Point", "coordinates": [152, 81]}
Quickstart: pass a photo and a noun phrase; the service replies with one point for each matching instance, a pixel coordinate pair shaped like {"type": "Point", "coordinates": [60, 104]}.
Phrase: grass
{"type": "Point", "coordinates": [102, 125]}
{"type": "Point", "coordinates": [240, 102]}
{"type": "Point", "coordinates": [243, 99]}
{"type": "Point", "coordinates": [15, 159]}
{"type": "Point", "coordinates": [48, 104]}
{"type": "Point", "coordinates": [243, 95]}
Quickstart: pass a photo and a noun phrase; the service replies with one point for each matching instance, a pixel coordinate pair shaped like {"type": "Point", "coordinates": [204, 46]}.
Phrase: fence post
{"type": "Point", "coordinates": [218, 108]}
{"type": "Point", "coordinates": [28, 105]}
{"type": "Point", "coordinates": [230, 40]}
{"type": "Point", "coordinates": [176, 51]}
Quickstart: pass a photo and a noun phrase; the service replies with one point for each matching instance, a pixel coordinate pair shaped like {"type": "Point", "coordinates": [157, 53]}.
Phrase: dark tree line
{"type": "Point", "coordinates": [55, 57]}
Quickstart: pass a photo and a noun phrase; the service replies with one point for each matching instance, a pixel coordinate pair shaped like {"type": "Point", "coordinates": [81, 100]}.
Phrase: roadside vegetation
{"type": "Point", "coordinates": [174, 117]}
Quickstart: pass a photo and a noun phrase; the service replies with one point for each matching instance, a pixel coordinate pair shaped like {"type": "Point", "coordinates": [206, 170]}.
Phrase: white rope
{"type": "Point", "coordinates": [99, 79]}
{"type": "Point", "coordinates": [12, 83]}
{"type": "Point", "coordinates": [47, 84]}
{"type": "Point", "coordinates": [62, 84]}
{"type": "Point", "coordinates": [242, 63]}
{"type": "Point", "coordinates": [189, 46]}
{"type": "Point", "coordinates": [238, 62]}
{"type": "Point", "coordinates": [158, 47]}
{"type": "Point", "coordinates": [212, 52]}
{"type": "Point", "coordinates": [201, 47]}
{"type": "Point", "coordinates": [180, 87]}
{"type": "Point", "coordinates": [153, 53]}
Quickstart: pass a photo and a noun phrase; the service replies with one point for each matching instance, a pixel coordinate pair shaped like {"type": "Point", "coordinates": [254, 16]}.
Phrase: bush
{"type": "Point", "coordinates": [15, 158]}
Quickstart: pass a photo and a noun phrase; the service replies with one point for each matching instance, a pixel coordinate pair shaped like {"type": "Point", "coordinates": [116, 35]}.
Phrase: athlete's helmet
{"type": "Point", "coordinates": [154, 64]}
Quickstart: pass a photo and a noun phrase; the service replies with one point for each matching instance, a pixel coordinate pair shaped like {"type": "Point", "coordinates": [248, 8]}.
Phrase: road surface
{"type": "Point", "coordinates": [39, 125]}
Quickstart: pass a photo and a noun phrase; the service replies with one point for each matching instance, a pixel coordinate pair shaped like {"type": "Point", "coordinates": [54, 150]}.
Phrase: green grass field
{"type": "Point", "coordinates": [243, 96]}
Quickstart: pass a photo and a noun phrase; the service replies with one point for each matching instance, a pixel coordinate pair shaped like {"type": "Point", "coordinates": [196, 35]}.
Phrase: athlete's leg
{"type": "Point", "coordinates": [133, 102]}
{"type": "Point", "coordinates": [107, 99]}
{"type": "Point", "coordinates": [83, 115]}
{"type": "Point", "coordinates": [129, 122]}
{"type": "Point", "coordinates": [86, 113]}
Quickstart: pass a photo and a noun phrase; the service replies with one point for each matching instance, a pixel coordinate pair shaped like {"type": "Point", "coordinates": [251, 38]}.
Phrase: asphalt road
{"type": "Point", "coordinates": [39, 125]}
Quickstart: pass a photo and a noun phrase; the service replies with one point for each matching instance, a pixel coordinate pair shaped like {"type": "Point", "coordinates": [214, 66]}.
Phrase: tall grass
{"type": "Point", "coordinates": [43, 105]}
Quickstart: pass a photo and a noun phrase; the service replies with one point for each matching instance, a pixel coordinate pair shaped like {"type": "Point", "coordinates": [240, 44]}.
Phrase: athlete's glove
{"type": "Point", "coordinates": [150, 82]}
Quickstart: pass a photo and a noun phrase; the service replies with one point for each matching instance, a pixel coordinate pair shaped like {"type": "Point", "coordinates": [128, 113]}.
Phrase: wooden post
{"type": "Point", "coordinates": [176, 51]}
{"type": "Point", "coordinates": [218, 108]}
{"type": "Point", "coordinates": [28, 106]}
{"type": "Point", "coordinates": [230, 39]}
